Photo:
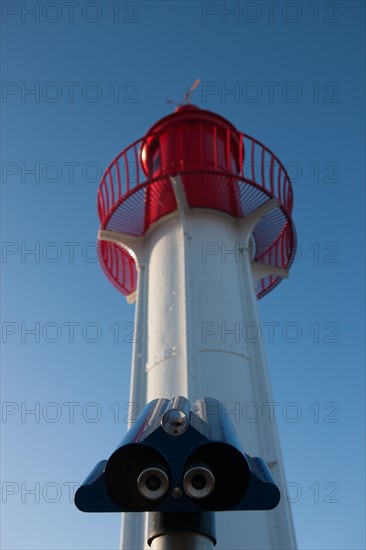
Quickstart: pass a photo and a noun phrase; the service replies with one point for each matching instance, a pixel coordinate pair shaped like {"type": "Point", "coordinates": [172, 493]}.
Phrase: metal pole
{"type": "Point", "coordinates": [181, 531]}
{"type": "Point", "coordinates": [182, 541]}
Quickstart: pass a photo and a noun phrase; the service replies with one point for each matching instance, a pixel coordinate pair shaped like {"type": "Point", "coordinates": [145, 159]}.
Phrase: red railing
{"type": "Point", "coordinates": [257, 165]}
{"type": "Point", "coordinates": [118, 266]}
{"type": "Point", "coordinates": [122, 177]}
{"type": "Point", "coordinates": [258, 174]}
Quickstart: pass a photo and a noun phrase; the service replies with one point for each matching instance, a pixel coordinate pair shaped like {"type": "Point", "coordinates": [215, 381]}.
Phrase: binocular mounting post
{"type": "Point", "coordinates": [181, 531]}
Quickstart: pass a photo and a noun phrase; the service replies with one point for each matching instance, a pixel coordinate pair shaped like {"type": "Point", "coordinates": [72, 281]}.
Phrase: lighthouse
{"type": "Point", "coordinates": [195, 228]}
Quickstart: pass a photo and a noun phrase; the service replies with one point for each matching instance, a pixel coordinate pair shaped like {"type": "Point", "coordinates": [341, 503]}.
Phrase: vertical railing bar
{"type": "Point", "coordinates": [241, 154]}
{"type": "Point", "coordinates": [289, 197]}
{"type": "Point", "coordinates": [105, 188]}
{"type": "Point", "coordinates": [283, 184]}
{"type": "Point", "coordinates": [228, 133]}
{"type": "Point", "coordinates": [138, 167]}
{"type": "Point", "coordinates": [119, 180]}
{"type": "Point", "coordinates": [283, 187]}
{"type": "Point", "coordinates": [244, 152]}
{"type": "Point", "coordinates": [271, 177]}
{"type": "Point", "coordinates": [99, 208]}
{"type": "Point", "coordinates": [276, 254]}
{"type": "Point", "coordinates": [215, 147]}
{"type": "Point", "coordinates": [285, 190]}
{"type": "Point", "coordinates": [252, 160]}
{"type": "Point", "coordinates": [101, 204]}
{"type": "Point", "coordinates": [161, 157]}
{"type": "Point", "coordinates": [262, 169]}
{"type": "Point", "coordinates": [101, 189]}
{"type": "Point", "coordinates": [279, 182]}
{"type": "Point", "coordinates": [127, 171]}
{"type": "Point", "coordinates": [111, 184]}
{"type": "Point", "coordinates": [291, 200]}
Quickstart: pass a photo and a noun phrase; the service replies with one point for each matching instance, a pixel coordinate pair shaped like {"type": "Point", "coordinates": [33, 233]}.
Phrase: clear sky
{"type": "Point", "coordinates": [291, 74]}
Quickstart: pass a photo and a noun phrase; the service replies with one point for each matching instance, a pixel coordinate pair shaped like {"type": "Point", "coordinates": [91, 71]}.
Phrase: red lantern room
{"type": "Point", "coordinates": [200, 146]}
{"type": "Point", "coordinates": [220, 168]}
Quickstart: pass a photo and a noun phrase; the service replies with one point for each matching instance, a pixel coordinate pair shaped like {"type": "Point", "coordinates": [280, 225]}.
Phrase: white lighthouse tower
{"type": "Point", "coordinates": [196, 227]}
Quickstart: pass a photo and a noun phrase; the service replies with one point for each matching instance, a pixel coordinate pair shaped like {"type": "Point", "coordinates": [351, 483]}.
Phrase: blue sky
{"type": "Point", "coordinates": [100, 73]}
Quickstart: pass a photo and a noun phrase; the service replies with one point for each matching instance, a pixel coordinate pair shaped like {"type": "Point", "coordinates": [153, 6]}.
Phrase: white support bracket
{"type": "Point", "coordinates": [260, 271]}
{"type": "Point", "coordinates": [180, 195]}
{"type": "Point", "coordinates": [248, 223]}
{"type": "Point", "coordinates": [130, 242]}
{"type": "Point", "coordinates": [117, 237]}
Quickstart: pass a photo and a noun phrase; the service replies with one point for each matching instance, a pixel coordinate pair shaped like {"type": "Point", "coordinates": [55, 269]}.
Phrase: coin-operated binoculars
{"type": "Point", "coordinates": [179, 462]}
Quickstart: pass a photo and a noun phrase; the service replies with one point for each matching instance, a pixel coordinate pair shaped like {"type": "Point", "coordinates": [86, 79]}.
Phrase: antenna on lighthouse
{"type": "Point", "coordinates": [187, 96]}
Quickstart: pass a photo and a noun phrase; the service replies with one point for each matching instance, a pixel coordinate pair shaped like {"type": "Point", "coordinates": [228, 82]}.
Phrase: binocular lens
{"type": "Point", "coordinates": [198, 481]}
{"type": "Point", "coordinates": [153, 483]}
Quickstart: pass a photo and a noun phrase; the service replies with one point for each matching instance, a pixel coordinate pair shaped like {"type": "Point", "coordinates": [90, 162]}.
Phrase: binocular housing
{"type": "Point", "coordinates": [178, 458]}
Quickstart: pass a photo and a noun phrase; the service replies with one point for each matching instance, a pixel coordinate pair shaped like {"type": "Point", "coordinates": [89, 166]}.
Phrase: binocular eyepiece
{"type": "Point", "coordinates": [153, 483]}
{"type": "Point", "coordinates": [181, 459]}
{"type": "Point", "coordinates": [198, 481]}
